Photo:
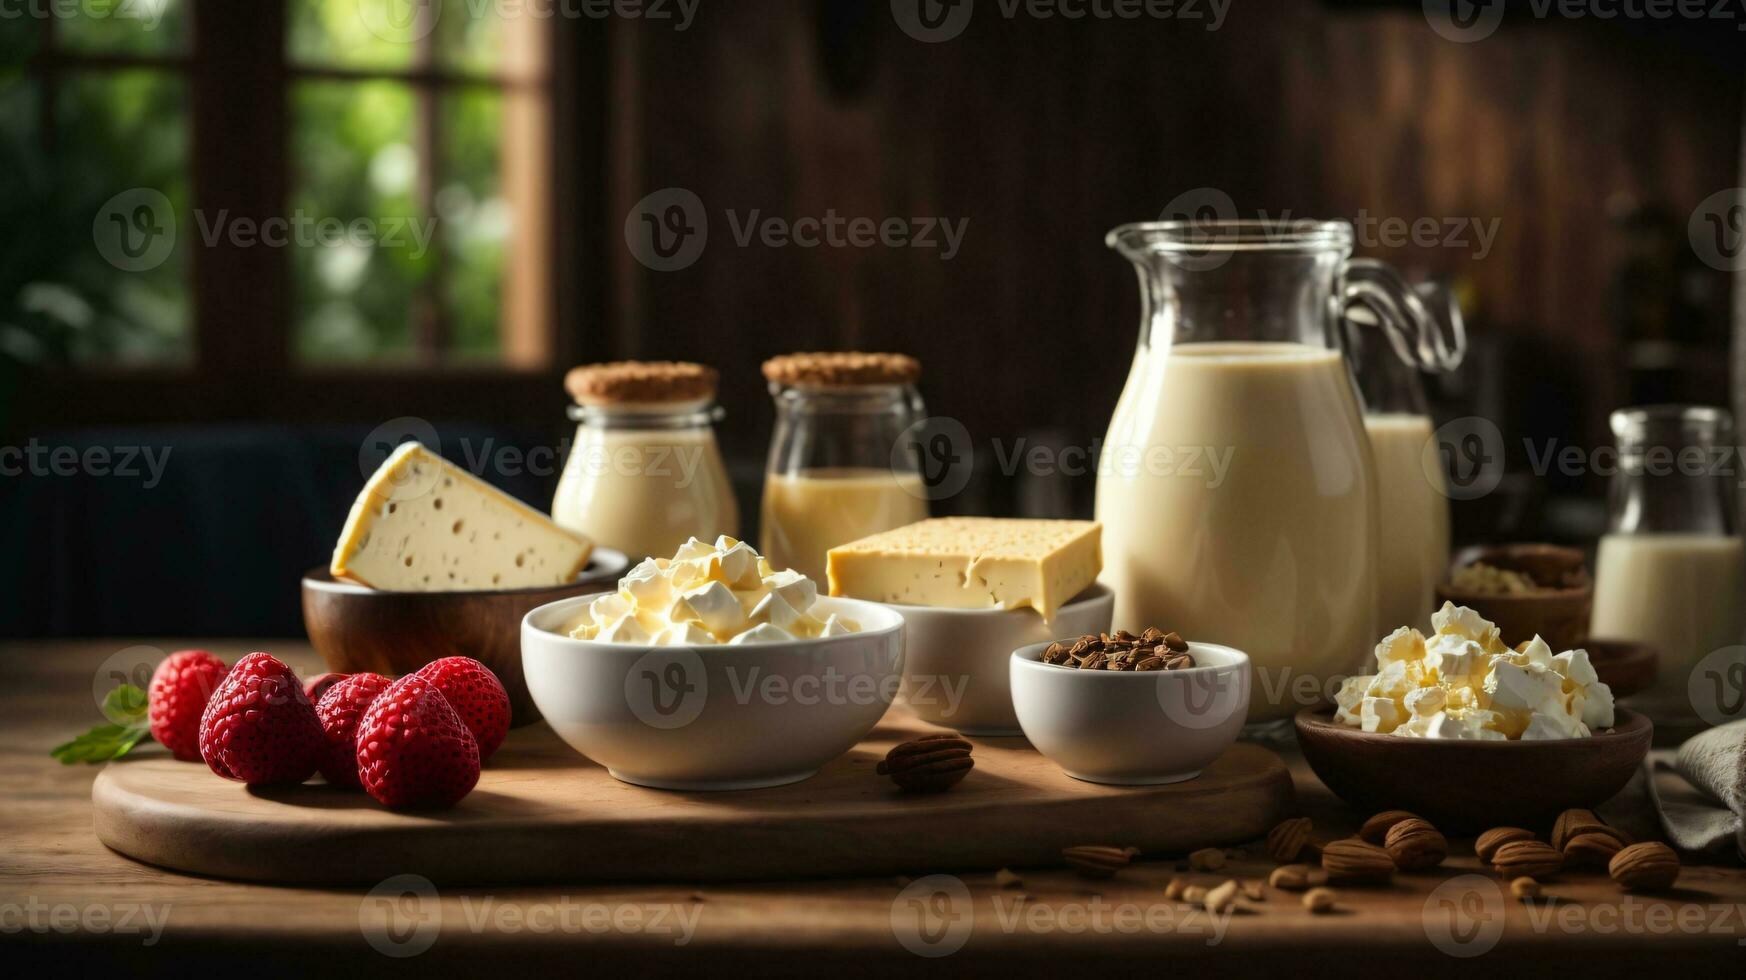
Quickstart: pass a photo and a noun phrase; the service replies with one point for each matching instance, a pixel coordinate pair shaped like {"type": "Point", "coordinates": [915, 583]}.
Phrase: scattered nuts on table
{"type": "Point", "coordinates": [1097, 860]}
{"type": "Point", "coordinates": [1488, 843]}
{"type": "Point", "coordinates": [1527, 857]}
{"type": "Point", "coordinates": [1319, 900]}
{"type": "Point", "coordinates": [1253, 891]}
{"type": "Point", "coordinates": [930, 764]}
{"type": "Point", "coordinates": [1173, 891]}
{"type": "Point", "coordinates": [1416, 845]}
{"type": "Point", "coordinates": [1194, 894]}
{"type": "Point", "coordinates": [1525, 888]}
{"type": "Point", "coordinates": [1649, 866]}
{"type": "Point", "coordinates": [1286, 841]}
{"type": "Point", "coordinates": [1207, 859]}
{"type": "Point", "coordinates": [1375, 830]}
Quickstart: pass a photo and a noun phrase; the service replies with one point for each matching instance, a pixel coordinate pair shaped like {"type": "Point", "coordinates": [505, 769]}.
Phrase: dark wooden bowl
{"type": "Point", "coordinates": [1559, 615]}
{"type": "Point", "coordinates": [1465, 787]}
{"type": "Point", "coordinates": [357, 629]}
{"type": "Point", "coordinates": [1626, 666]}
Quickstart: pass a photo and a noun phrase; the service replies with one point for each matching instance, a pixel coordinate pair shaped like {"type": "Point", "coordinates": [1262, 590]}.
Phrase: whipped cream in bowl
{"type": "Point", "coordinates": [1469, 732]}
{"type": "Point", "coordinates": [711, 670]}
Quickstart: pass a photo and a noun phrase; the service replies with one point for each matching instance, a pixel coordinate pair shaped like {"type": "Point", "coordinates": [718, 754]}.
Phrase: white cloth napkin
{"type": "Point", "coordinates": [1701, 793]}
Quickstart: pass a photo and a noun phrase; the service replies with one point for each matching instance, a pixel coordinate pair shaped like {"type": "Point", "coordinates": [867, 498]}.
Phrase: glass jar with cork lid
{"type": "Point", "coordinates": [841, 465]}
{"type": "Point", "coordinates": [645, 474]}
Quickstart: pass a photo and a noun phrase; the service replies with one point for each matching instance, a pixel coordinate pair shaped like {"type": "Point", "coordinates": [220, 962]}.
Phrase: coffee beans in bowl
{"type": "Point", "coordinates": [1152, 649]}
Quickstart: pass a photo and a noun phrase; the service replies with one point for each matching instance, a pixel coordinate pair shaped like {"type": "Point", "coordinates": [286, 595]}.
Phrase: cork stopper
{"type": "Point", "coordinates": [842, 369]}
{"type": "Point", "coordinates": [640, 382]}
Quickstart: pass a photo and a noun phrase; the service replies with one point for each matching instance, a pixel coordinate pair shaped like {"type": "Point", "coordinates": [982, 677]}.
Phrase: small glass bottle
{"type": "Point", "coordinates": [841, 465]}
{"type": "Point", "coordinates": [1412, 497]}
{"type": "Point", "coordinates": [645, 474]}
{"type": "Point", "coordinates": [1671, 572]}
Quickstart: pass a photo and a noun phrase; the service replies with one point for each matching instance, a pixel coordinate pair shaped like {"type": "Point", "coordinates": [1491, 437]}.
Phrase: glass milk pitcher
{"type": "Point", "coordinates": [1237, 485]}
{"type": "Point", "coordinates": [1671, 571]}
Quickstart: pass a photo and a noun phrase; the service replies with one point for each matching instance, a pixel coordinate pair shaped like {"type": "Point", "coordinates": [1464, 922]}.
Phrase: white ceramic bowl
{"type": "Point", "coordinates": [955, 661]}
{"type": "Point", "coordinates": [1132, 728]}
{"type": "Point", "coordinates": [714, 717]}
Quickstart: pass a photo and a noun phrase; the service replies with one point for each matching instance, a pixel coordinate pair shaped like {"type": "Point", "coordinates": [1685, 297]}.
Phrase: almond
{"type": "Point", "coordinates": [1488, 843]}
{"type": "Point", "coordinates": [1649, 866]}
{"type": "Point", "coordinates": [1591, 849]}
{"type": "Point", "coordinates": [1415, 845]}
{"type": "Point", "coordinates": [1222, 898]}
{"type": "Point", "coordinates": [1525, 888]}
{"type": "Point", "coordinates": [1375, 830]}
{"type": "Point", "coordinates": [1173, 891]}
{"type": "Point", "coordinates": [1096, 860]}
{"type": "Point", "coordinates": [1353, 860]}
{"type": "Point", "coordinates": [1286, 841]}
{"type": "Point", "coordinates": [1573, 822]}
{"type": "Point", "coordinates": [1527, 857]}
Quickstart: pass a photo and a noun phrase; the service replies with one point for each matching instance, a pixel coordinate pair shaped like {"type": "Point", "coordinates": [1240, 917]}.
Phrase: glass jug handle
{"type": "Point", "coordinates": [1430, 336]}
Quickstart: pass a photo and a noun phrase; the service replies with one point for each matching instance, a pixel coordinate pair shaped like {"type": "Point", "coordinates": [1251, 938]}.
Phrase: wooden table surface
{"type": "Point", "coordinates": [69, 904]}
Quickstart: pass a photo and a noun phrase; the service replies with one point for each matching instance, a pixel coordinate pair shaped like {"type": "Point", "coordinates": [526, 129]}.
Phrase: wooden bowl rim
{"type": "Point", "coordinates": [1473, 554]}
{"type": "Point", "coordinates": [612, 564]}
{"type": "Point", "coordinates": [1627, 725]}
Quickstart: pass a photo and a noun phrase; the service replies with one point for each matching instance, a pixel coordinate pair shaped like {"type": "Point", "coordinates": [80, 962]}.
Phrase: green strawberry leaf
{"type": "Point", "coordinates": [126, 705]}
{"type": "Point", "coordinates": [100, 744]}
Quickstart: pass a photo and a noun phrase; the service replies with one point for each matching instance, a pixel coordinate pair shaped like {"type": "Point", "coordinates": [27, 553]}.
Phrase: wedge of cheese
{"type": "Point", "coordinates": [971, 563]}
{"type": "Point", "coordinates": [423, 524]}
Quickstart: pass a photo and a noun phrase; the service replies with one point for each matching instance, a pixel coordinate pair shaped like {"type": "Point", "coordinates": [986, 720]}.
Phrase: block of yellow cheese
{"type": "Point", "coordinates": [971, 563]}
{"type": "Point", "coordinates": [423, 524]}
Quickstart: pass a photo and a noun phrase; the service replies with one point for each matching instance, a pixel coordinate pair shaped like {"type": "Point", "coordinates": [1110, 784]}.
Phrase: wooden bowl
{"type": "Point", "coordinates": [1626, 666]}
{"type": "Point", "coordinates": [357, 629]}
{"type": "Point", "coordinates": [1558, 615]}
{"type": "Point", "coordinates": [1467, 786]}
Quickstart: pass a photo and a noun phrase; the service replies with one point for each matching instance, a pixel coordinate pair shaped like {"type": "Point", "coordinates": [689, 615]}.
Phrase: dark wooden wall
{"type": "Point", "coordinates": [1044, 134]}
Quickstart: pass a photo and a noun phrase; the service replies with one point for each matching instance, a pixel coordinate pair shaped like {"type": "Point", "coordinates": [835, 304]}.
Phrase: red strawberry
{"type": "Point", "coordinates": [477, 695]}
{"type": "Point", "coordinates": [316, 686]}
{"type": "Point", "coordinates": [413, 748]}
{"type": "Point", "coordinates": [339, 711]}
{"type": "Point", "coordinates": [259, 726]}
{"type": "Point", "coordinates": [177, 698]}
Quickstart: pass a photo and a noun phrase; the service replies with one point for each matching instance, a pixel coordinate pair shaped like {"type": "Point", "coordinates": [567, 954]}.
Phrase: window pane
{"type": "Point", "coordinates": [363, 33]}
{"type": "Point", "coordinates": [122, 26]}
{"type": "Point", "coordinates": [108, 266]}
{"type": "Point", "coordinates": [475, 221]}
{"type": "Point", "coordinates": [356, 160]}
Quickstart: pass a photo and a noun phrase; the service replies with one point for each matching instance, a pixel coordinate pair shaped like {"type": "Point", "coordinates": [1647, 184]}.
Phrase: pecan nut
{"type": "Point", "coordinates": [1375, 830]}
{"type": "Point", "coordinates": [1353, 860]}
{"type": "Point", "coordinates": [1649, 866]}
{"type": "Point", "coordinates": [1098, 860]}
{"type": "Point", "coordinates": [1488, 843]}
{"type": "Point", "coordinates": [1286, 841]}
{"type": "Point", "coordinates": [930, 764]}
{"type": "Point", "coordinates": [1415, 845]}
{"type": "Point", "coordinates": [1527, 859]}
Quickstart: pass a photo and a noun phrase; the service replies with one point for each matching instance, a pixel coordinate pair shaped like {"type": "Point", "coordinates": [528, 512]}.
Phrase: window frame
{"type": "Point", "coordinates": [239, 112]}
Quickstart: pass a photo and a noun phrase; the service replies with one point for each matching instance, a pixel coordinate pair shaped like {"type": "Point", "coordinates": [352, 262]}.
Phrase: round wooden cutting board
{"type": "Point", "coordinates": [543, 813]}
